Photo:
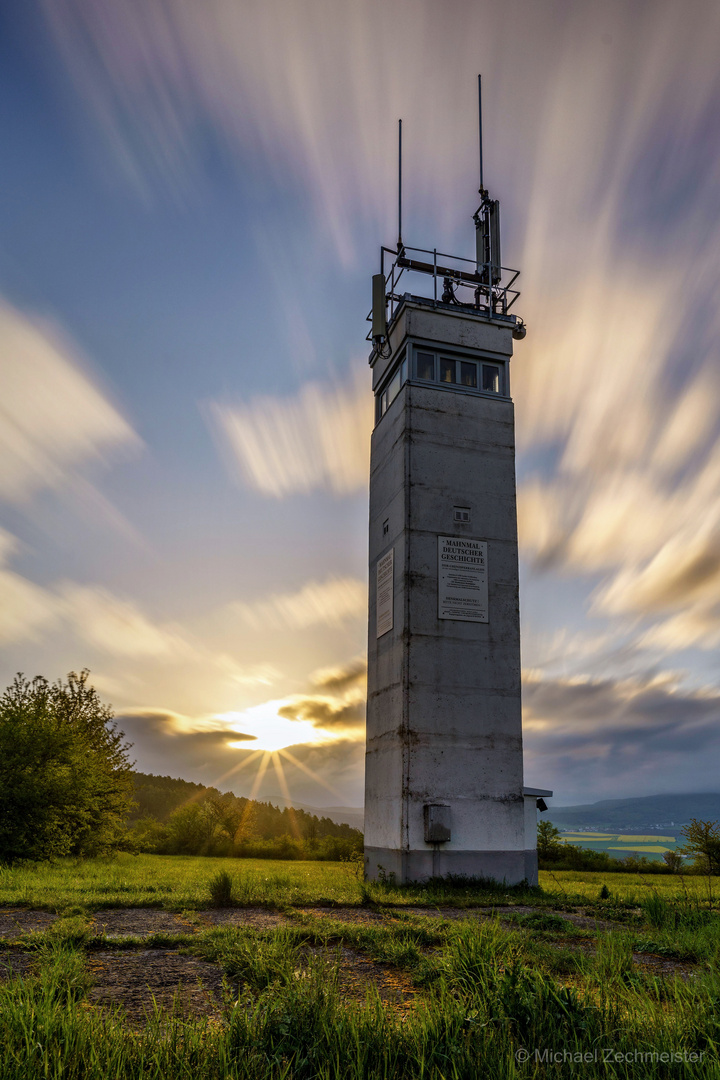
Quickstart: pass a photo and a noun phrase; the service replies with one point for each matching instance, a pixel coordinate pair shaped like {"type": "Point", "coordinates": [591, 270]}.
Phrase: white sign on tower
{"type": "Point", "coordinates": [462, 579]}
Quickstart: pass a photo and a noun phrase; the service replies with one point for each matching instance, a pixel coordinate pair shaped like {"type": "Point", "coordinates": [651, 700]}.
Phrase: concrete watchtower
{"type": "Point", "coordinates": [444, 765]}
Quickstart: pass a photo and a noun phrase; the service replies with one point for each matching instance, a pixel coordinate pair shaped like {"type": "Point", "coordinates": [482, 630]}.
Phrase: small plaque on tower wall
{"type": "Point", "coordinates": [385, 593]}
{"type": "Point", "coordinates": [462, 579]}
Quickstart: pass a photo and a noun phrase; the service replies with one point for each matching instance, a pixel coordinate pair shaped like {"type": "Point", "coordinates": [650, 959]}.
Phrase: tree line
{"type": "Point", "coordinates": [67, 788]}
{"type": "Point", "coordinates": [177, 817]}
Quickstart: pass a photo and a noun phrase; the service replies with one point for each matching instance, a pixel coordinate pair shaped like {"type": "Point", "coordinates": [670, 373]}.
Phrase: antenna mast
{"type": "Point", "coordinates": [487, 227]}
{"type": "Point", "coordinates": [400, 241]}
{"type": "Point", "coordinates": [480, 128]}
{"type": "Point", "coordinates": [491, 284]}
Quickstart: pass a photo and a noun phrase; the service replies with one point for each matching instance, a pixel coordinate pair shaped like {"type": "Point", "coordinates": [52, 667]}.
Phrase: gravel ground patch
{"type": "Point", "coordinates": [15, 963]}
{"type": "Point", "coordinates": [584, 922]}
{"type": "Point", "coordinates": [357, 974]}
{"type": "Point", "coordinates": [257, 918]}
{"type": "Point", "coordinates": [136, 922]}
{"type": "Point", "coordinates": [361, 916]}
{"type": "Point", "coordinates": [14, 922]}
{"type": "Point", "coordinates": [139, 979]}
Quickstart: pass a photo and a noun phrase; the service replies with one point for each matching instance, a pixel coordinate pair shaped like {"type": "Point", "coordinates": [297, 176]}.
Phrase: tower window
{"type": "Point", "coordinates": [461, 514]}
{"type": "Point", "coordinates": [491, 379]}
{"type": "Point", "coordinates": [447, 370]}
{"type": "Point", "coordinates": [392, 389]}
{"type": "Point", "coordinates": [425, 366]}
{"type": "Point", "coordinates": [468, 374]}
{"type": "Point", "coordinates": [458, 372]}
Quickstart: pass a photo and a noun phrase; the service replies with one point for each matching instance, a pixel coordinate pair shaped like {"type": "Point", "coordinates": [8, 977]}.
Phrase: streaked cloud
{"type": "Point", "coordinates": [654, 541]}
{"type": "Point", "coordinates": [328, 714]}
{"type": "Point", "coordinates": [616, 385]}
{"type": "Point", "coordinates": [54, 419]}
{"type": "Point", "coordinates": [118, 626]}
{"type": "Point", "coordinates": [337, 701]}
{"type": "Point", "coordinates": [26, 610]}
{"type": "Point", "coordinates": [328, 603]}
{"type": "Point", "coordinates": [101, 622]}
{"type": "Point", "coordinates": [698, 626]}
{"type": "Point", "coordinates": [317, 440]}
{"type": "Point", "coordinates": [309, 89]}
{"type": "Point", "coordinates": [342, 677]}
{"type": "Point", "coordinates": [596, 738]}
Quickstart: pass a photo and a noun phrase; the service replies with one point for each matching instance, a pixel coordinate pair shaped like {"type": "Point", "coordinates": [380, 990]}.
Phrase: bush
{"type": "Point", "coordinates": [221, 889]}
{"type": "Point", "coordinates": [702, 844]}
{"type": "Point", "coordinates": [65, 782]}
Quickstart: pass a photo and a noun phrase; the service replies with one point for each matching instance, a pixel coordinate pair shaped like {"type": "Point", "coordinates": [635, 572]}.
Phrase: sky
{"type": "Point", "coordinates": [193, 200]}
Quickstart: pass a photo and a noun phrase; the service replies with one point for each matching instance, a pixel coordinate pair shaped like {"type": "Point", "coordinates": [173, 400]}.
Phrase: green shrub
{"type": "Point", "coordinates": [221, 889]}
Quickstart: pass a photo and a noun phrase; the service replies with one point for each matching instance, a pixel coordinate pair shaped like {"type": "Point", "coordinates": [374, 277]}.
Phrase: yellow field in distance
{"type": "Point", "coordinates": [574, 838]}
{"type": "Point", "coordinates": [645, 839]}
{"type": "Point", "coordinates": [638, 847]}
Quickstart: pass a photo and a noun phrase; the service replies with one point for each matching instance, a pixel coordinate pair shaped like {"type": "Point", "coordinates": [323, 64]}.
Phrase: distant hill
{"type": "Point", "coordinates": [637, 815]}
{"type": "Point", "coordinates": [158, 796]}
{"type": "Point", "coordinates": [343, 815]}
{"type": "Point", "coordinates": [177, 817]}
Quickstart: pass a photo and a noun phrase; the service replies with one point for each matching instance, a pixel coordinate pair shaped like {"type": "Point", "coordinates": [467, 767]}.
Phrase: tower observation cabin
{"type": "Point", "coordinates": [444, 787]}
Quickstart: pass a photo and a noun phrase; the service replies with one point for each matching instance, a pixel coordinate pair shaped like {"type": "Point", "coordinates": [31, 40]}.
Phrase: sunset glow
{"type": "Point", "coordinates": [269, 731]}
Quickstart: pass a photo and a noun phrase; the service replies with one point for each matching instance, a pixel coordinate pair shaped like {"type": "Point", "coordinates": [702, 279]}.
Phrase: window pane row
{"type": "Point", "coordinates": [432, 367]}
{"type": "Point", "coordinates": [446, 369]}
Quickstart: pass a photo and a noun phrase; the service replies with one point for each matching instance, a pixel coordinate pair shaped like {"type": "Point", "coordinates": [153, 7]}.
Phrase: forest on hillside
{"type": "Point", "coordinates": [178, 817]}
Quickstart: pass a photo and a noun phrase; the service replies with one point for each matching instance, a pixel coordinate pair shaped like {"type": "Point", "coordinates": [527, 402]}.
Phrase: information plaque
{"type": "Point", "coordinates": [462, 579]}
{"type": "Point", "coordinates": [385, 593]}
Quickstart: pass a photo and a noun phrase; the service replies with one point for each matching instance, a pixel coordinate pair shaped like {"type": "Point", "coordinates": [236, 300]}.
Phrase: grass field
{"type": "Point", "coordinates": [628, 889]}
{"type": "Point", "coordinates": [478, 994]}
{"type": "Point", "coordinates": [179, 882]}
{"type": "Point", "coordinates": [174, 881]}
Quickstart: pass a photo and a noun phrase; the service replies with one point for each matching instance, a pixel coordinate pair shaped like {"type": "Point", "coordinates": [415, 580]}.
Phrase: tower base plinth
{"type": "Point", "coordinates": [510, 867]}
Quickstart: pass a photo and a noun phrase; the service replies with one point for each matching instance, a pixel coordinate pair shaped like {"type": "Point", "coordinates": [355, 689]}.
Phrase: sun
{"type": "Point", "coordinates": [268, 729]}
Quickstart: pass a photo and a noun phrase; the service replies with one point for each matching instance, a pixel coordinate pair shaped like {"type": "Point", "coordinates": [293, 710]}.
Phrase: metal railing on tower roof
{"type": "Point", "coordinates": [485, 291]}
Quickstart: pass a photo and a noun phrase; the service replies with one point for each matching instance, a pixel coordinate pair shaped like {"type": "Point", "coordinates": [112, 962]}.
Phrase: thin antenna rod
{"type": "Point", "coordinates": [400, 243]}
{"type": "Point", "coordinates": [482, 186]}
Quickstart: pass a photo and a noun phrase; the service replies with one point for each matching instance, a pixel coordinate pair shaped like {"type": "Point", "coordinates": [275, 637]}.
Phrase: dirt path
{"type": "Point", "coordinates": [139, 922]}
{"type": "Point", "coordinates": [15, 963]}
{"type": "Point", "coordinates": [14, 922]}
{"type": "Point", "coordinates": [256, 918]}
{"type": "Point", "coordinates": [137, 980]}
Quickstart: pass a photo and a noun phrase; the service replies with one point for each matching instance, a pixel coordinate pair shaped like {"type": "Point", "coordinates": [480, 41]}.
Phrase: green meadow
{"type": "Point", "coordinates": [180, 882]}
{"type": "Point", "coordinates": [613, 975]}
